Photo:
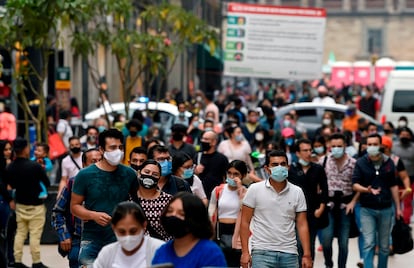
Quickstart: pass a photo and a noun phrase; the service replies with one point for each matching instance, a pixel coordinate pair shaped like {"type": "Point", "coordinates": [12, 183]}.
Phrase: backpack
{"type": "Point", "coordinates": [401, 237]}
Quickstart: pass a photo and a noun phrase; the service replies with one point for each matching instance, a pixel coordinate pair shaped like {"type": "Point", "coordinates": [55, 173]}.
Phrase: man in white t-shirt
{"type": "Point", "coordinates": [63, 127]}
{"type": "Point", "coordinates": [72, 163]}
{"type": "Point", "coordinates": [275, 208]}
{"type": "Point", "coordinates": [323, 96]}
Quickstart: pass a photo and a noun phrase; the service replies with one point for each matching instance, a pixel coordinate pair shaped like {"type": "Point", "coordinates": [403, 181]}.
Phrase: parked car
{"type": "Point", "coordinates": [310, 114]}
{"type": "Point", "coordinates": [162, 114]}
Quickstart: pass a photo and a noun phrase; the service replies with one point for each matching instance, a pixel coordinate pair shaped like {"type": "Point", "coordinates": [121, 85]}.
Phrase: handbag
{"type": "Point", "coordinates": [401, 237]}
{"type": "Point", "coordinates": [56, 146]}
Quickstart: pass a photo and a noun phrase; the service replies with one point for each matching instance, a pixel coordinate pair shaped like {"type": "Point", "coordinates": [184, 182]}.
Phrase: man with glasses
{"type": "Point", "coordinates": [277, 208]}
{"type": "Point", "coordinates": [96, 192]}
{"type": "Point", "coordinates": [168, 183]}
{"type": "Point", "coordinates": [312, 179]}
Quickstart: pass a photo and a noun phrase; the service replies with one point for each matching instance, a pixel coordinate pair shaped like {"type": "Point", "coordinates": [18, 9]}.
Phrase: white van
{"type": "Point", "coordinates": [398, 97]}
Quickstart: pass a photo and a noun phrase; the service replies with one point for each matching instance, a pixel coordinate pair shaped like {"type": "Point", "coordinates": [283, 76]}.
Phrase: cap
{"type": "Point", "coordinates": [386, 141]}
{"type": "Point", "coordinates": [287, 132]}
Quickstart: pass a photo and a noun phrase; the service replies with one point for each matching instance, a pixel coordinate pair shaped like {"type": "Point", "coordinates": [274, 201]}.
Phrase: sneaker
{"type": "Point", "coordinates": [360, 264]}
{"type": "Point", "coordinates": [39, 265]}
{"type": "Point", "coordinates": [20, 265]}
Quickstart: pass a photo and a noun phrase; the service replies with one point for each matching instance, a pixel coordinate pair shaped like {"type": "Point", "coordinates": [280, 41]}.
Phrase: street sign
{"type": "Point", "coordinates": [277, 42]}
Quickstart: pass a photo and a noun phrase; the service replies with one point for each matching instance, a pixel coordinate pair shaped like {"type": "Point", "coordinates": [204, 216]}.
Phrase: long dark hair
{"type": "Point", "coordinates": [196, 215]}
{"type": "Point", "coordinates": [128, 208]}
{"type": "Point", "coordinates": [3, 161]}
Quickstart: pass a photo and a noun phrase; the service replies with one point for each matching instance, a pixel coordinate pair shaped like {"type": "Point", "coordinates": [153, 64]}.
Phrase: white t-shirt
{"type": "Point", "coordinates": [197, 187]}
{"type": "Point", "coordinates": [69, 168]}
{"type": "Point", "coordinates": [228, 204]}
{"type": "Point", "coordinates": [64, 127]}
{"type": "Point", "coordinates": [274, 217]}
{"type": "Point", "coordinates": [138, 260]}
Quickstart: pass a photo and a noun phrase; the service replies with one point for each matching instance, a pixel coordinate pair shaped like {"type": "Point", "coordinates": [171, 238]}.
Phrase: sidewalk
{"type": "Point", "coordinates": [52, 259]}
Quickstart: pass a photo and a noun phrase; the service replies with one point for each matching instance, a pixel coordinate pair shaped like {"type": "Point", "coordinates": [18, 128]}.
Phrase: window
{"type": "Point", "coordinates": [308, 116]}
{"type": "Point", "coordinates": [375, 41]}
{"type": "Point", "coordinates": [403, 101]}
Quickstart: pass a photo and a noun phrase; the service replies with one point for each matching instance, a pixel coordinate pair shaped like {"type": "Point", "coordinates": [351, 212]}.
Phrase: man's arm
{"type": "Point", "coordinates": [303, 231]}
{"type": "Point", "coordinates": [246, 216]}
{"type": "Point", "coordinates": [84, 214]}
{"type": "Point", "coordinates": [59, 219]}
{"type": "Point", "coordinates": [396, 198]}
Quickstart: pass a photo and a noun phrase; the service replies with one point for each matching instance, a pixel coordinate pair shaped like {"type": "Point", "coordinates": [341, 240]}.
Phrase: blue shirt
{"type": "Point", "coordinates": [205, 253]}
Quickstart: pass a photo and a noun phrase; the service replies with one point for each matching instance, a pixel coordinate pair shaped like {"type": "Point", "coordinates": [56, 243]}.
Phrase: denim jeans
{"type": "Point", "coordinates": [357, 211]}
{"type": "Point", "coordinates": [338, 225]}
{"type": "Point", "coordinates": [273, 259]}
{"type": "Point", "coordinates": [376, 223]}
{"type": "Point", "coordinates": [89, 252]}
{"type": "Point", "coordinates": [73, 255]}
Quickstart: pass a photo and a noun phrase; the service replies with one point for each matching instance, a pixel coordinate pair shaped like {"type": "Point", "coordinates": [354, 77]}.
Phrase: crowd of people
{"type": "Point", "coordinates": [233, 186]}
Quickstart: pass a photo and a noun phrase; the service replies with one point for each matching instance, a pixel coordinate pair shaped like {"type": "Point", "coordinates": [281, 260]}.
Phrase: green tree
{"type": "Point", "coordinates": [33, 26]}
{"type": "Point", "coordinates": [145, 40]}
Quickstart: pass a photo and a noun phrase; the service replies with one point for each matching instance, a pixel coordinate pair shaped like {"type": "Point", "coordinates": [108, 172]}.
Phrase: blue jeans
{"type": "Point", "coordinates": [357, 211]}
{"type": "Point", "coordinates": [273, 259]}
{"type": "Point", "coordinates": [89, 252]}
{"type": "Point", "coordinates": [338, 225]}
{"type": "Point", "coordinates": [376, 223]}
{"type": "Point", "coordinates": [74, 253]}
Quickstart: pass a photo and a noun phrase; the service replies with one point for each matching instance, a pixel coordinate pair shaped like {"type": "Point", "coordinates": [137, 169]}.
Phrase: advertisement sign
{"type": "Point", "coordinates": [273, 42]}
{"type": "Point", "coordinates": [341, 74]}
{"type": "Point", "coordinates": [381, 75]}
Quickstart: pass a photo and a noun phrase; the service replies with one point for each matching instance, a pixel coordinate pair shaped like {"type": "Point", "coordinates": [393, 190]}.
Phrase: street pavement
{"type": "Point", "coordinates": [52, 259]}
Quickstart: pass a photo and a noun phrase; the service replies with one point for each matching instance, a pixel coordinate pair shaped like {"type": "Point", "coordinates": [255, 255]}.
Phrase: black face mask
{"type": "Point", "coordinates": [135, 167]}
{"type": "Point", "coordinates": [387, 131]}
{"type": "Point", "coordinates": [133, 133]}
{"type": "Point", "coordinates": [405, 140]}
{"type": "Point", "coordinates": [174, 226]}
{"type": "Point", "coordinates": [205, 146]}
{"type": "Point", "coordinates": [177, 136]}
{"type": "Point", "coordinates": [75, 150]}
{"type": "Point", "coordinates": [148, 181]}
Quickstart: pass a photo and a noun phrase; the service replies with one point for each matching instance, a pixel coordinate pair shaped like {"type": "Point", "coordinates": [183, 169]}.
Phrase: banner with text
{"type": "Point", "coordinates": [273, 42]}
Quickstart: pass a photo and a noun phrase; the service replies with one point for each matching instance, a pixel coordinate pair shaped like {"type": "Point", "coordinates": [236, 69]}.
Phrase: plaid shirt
{"type": "Point", "coordinates": [65, 224]}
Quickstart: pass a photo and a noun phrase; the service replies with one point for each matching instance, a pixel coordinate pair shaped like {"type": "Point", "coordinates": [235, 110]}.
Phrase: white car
{"type": "Point", "coordinates": [162, 114]}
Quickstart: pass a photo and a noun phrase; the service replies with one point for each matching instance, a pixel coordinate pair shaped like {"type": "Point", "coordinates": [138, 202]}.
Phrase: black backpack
{"type": "Point", "coordinates": [401, 237]}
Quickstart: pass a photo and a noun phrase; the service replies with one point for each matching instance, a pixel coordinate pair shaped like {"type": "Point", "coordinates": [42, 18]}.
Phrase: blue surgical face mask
{"type": "Point", "coordinates": [319, 150]}
{"type": "Point", "coordinates": [166, 167]}
{"type": "Point", "coordinates": [279, 173]}
{"type": "Point", "coordinates": [101, 129]}
{"type": "Point", "coordinates": [195, 124]}
{"type": "Point", "coordinates": [188, 173]}
{"type": "Point", "coordinates": [239, 138]}
{"type": "Point", "coordinates": [289, 141]}
{"type": "Point", "coordinates": [373, 150]}
{"type": "Point", "coordinates": [303, 162]}
{"type": "Point", "coordinates": [337, 152]}
{"type": "Point", "coordinates": [286, 123]}
{"type": "Point", "coordinates": [231, 182]}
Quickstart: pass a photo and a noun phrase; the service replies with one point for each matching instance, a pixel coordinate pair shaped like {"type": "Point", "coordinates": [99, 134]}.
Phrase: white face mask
{"type": "Point", "coordinates": [130, 242]}
{"type": "Point", "coordinates": [114, 157]}
{"type": "Point", "coordinates": [326, 121]}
